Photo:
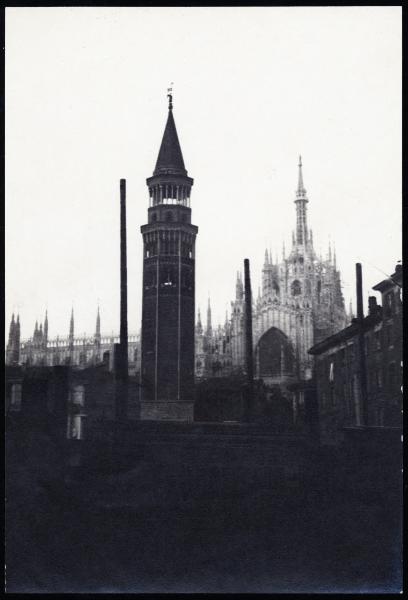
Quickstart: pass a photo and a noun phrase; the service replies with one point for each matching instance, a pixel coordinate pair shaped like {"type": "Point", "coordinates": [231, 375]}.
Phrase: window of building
{"type": "Point", "coordinates": [78, 395]}
{"type": "Point", "coordinates": [15, 403]}
{"type": "Point", "coordinates": [75, 427]}
{"type": "Point", "coordinates": [378, 379]}
{"type": "Point", "coordinates": [154, 217]}
{"type": "Point", "coordinates": [377, 340]}
{"type": "Point", "coordinates": [350, 351]}
{"type": "Point", "coordinates": [331, 371]}
{"type": "Point", "coordinates": [296, 288]}
{"type": "Point", "coordinates": [342, 357]}
{"type": "Point", "coordinates": [389, 304]}
{"type": "Point", "coordinates": [169, 216]}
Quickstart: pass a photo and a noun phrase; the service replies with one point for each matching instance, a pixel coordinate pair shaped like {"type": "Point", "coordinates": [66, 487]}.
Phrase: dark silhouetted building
{"type": "Point", "coordinates": [338, 368]}
{"type": "Point", "coordinates": [167, 367]}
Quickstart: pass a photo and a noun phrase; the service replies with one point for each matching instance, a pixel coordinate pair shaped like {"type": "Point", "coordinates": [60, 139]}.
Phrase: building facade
{"type": "Point", "coordinates": [79, 351]}
{"type": "Point", "coordinates": [300, 303]}
{"type": "Point", "coordinates": [341, 386]}
{"type": "Point", "coordinates": [167, 338]}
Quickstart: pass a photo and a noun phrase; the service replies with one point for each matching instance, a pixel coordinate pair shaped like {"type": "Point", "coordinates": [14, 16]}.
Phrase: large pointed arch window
{"type": "Point", "coordinates": [296, 288]}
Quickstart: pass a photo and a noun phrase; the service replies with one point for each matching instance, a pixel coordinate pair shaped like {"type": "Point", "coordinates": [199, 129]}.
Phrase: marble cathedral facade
{"type": "Point", "coordinates": [299, 304]}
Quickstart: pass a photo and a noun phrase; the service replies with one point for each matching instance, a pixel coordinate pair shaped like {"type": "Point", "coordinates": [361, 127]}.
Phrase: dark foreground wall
{"type": "Point", "coordinates": [164, 507]}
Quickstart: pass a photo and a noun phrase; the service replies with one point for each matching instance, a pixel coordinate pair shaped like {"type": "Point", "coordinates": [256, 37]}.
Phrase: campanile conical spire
{"type": "Point", "coordinates": [170, 183]}
{"type": "Point", "coordinates": [170, 158]}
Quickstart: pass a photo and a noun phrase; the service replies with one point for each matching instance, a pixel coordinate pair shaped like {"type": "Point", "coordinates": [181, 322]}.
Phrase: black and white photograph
{"type": "Point", "coordinates": [203, 299]}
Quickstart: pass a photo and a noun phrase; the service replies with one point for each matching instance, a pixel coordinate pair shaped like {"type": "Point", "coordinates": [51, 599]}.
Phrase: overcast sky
{"type": "Point", "coordinates": [253, 88]}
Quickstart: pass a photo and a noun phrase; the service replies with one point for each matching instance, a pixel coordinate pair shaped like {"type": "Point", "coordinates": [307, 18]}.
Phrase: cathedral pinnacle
{"type": "Point", "coordinates": [209, 325]}
{"type": "Point", "coordinates": [301, 188]}
{"type": "Point", "coordinates": [71, 325]}
{"type": "Point", "coordinates": [301, 201]}
{"type": "Point", "coordinates": [98, 326]}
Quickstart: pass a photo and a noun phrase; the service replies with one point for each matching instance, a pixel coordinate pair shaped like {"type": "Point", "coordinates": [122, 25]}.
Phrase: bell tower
{"type": "Point", "coordinates": [168, 287]}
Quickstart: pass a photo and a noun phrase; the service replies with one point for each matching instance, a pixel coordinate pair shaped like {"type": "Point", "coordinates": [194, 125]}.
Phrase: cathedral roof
{"type": "Point", "coordinates": [170, 158]}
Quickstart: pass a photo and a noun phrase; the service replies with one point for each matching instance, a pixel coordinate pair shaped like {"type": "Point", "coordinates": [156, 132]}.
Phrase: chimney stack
{"type": "Point", "coordinates": [121, 350]}
{"type": "Point", "coordinates": [362, 357]}
{"type": "Point", "coordinates": [359, 292]}
{"type": "Point", "coordinates": [372, 305]}
{"type": "Point", "coordinates": [248, 342]}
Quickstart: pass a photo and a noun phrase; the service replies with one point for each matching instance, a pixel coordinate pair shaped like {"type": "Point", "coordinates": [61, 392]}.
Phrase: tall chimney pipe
{"type": "Point", "coordinates": [362, 357]}
{"type": "Point", "coordinates": [121, 364]}
{"type": "Point", "coordinates": [248, 342]}
{"type": "Point", "coordinates": [123, 269]}
{"type": "Point", "coordinates": [359, 292]}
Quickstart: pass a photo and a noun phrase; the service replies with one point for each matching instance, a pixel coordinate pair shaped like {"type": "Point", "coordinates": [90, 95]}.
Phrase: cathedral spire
{"type": "Point", "coordinates": [13, 346]}
{"type": "Point", "coordinates": [239, 288]}
{"type": "Point", "coordinates": [97, 337]}
{"type": "Point", "coordinates": [266, 258]}
{"type": "Point", "coordinates": [46, 327]}
{"type": "Point", "coordinates": [209, 325]}
{"type": "Point", "coordinates": [12, 329]}
{"type": "Point", "coordinates": [199, 327]}
{"type": "Point", "coordinates": [71, 327]}
{"type": "Point", "coordinates": [301, 201]}
{"type": "Point", "coordinates": [301, 188]}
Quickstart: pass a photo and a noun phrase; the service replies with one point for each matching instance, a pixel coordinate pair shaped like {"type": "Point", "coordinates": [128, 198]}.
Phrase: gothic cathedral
{"type": "Point", "coordinates": [299, 304]}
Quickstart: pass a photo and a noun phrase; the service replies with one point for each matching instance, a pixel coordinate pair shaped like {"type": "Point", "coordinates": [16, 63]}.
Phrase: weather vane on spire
{"type": "Point", "coordinates": [170, 96]}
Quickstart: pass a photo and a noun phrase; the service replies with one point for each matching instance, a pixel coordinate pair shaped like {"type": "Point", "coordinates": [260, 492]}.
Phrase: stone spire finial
{"type": "Point", "coordinates": [12, 329]}
{"type": "Point", "coordinates": [71, 325]}
{"type": "Point", "coordinates": [239, 288]}
{"type": "Point", "coordinates": [301, 188]}
{"type": "Point", "coordinates": [46, 326]}
{"type": "Point", "coordinates": [301, 202]}
{"type": "Point", "coordinates": [209, 324]}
